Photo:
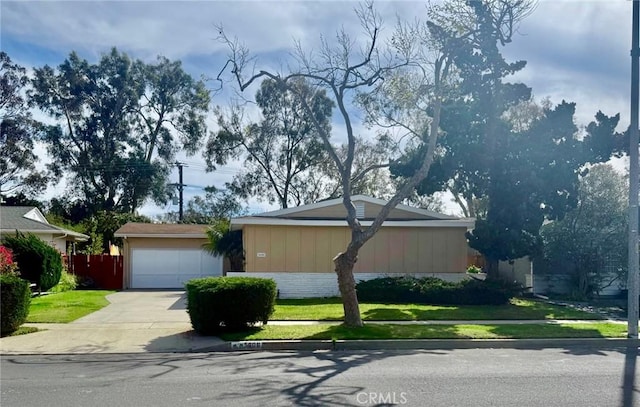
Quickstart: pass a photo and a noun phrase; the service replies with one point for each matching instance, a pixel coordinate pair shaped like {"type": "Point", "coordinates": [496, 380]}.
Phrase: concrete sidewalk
{"type": "Point", "coordinates": [81, 337]}
{"type": "Point", "coordinates": [108, 338]}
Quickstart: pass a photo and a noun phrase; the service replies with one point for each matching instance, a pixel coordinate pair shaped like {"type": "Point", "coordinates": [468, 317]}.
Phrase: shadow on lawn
{"type": "Point", "coordinates": [447, 313]}
{"type": "Point", "coordinates": [532, 311]}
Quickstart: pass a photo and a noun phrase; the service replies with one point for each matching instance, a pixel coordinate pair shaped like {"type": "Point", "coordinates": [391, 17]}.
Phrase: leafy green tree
{"type": "Point", "coordinates": [20, 199]}
{"type": "Point", "coordinates": [589, 243]}
{"type": "Point", "coordinates": [120, 123]}
{"type": "Point", "coordinates": [18, 172]}
{"type": "Point", "coordinates": [222, 241]}
{"type": "Point", "coordinates": [100, 226]}
{"type": "Point", "coordinates": [519, 161]}
{"type": "Point", "coordinates": [216, 204]}
{"type": "Point", "coordinates": [282, 150]}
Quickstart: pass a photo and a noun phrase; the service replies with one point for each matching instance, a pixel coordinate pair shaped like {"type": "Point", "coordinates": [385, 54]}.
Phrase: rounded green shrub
{"type": "Point", "coordinates": [15, 298]}
{"type": "Point", "coordinates": [38, 262]}
{"type": "Point", "coordinates": [217, 304]}
{"type": "Point", "coordinates": [68, 282]}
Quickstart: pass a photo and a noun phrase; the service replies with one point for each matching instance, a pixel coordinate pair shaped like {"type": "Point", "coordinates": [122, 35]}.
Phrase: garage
{"type": "Point", "coordinates": [165, 255]}
{"type": "Point", "coordinates": [171, 268]}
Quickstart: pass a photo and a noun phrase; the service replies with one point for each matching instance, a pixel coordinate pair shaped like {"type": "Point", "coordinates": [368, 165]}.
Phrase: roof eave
{"type": "Point", "coordinates": [238, 223]}
{"type": "Point", "coordinates": [354, 198]}
{"type": "Point", "coordinates": [162, 235]}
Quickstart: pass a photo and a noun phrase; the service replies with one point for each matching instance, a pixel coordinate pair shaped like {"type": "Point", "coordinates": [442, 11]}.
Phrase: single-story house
{"type": "Point", "coordinates": [165, 255]}
{"type": "Point", "coordinates": [29, 219]}
{"type": "Point", "coordinates": [295, 246]}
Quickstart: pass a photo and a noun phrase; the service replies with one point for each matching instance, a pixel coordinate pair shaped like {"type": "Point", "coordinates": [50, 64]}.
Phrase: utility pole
{"type": "Point", "coordinates": [632, 280]}
{"type": "Point", "coordinates": [180, 190]}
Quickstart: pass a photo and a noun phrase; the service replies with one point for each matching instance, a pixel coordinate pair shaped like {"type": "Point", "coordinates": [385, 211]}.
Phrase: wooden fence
{"type": "Point", "coordinates": [106, 271]}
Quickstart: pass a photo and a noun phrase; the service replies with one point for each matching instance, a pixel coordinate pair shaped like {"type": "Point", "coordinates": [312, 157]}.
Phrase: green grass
{"type": "Point", "coordinates": [390, 331]}
{"type": "Point", "coordinates": [23, 330]}
{"type": "Point", "coordinates": [66, 306]}
{"type": "Point", "coordinates": [330, 309]}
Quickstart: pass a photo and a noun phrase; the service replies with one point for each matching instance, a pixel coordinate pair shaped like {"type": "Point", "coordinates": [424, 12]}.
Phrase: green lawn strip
{"type": "Point", "coordinates": [330, 309]}
{"type": "Point", "coordinates": [391, 331]}
{"type": "Point", "coordinates": [23, 330]}
{"type": "Point", "coordinates": [67, 306]}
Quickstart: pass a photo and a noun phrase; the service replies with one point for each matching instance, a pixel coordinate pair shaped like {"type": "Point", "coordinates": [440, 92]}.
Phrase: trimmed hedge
{"type": "Point", "coordinates": [435, 291]}
{"type": "Point", "coordinates": [15, 298]}
{"type": "Point", "coordinates": [38, 262]}
{"type": "Point", "coordinates": [217, 304]}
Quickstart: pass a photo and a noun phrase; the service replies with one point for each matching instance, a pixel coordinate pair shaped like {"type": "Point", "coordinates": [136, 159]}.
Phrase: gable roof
{"type": "Point", "coordinates": [162, 230]}
{"type": "Point", "coordinates": [333, 209]}
{"type": "Point", "coordinates": [29, 219]}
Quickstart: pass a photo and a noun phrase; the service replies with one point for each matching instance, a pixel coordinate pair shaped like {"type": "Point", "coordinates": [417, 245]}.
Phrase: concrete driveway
{"type": "Point", "coordinates": [141, 307]}
{"type": "Point", "coordinates": [133, 322]}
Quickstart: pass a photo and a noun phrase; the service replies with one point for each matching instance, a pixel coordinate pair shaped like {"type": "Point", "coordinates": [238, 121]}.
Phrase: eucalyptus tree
{"type": "Point", "coordinates": [119, 124]}
{"type": "Point", "coordinates": [18, 131]}
{"type": "Point", "coordinates": [282, 150]}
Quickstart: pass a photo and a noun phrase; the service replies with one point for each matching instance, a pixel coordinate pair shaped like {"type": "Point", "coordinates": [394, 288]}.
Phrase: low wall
{"type": "Point", "coordinates": [317, 285]}
{"type": "Point", "coordinates": [561, 284]}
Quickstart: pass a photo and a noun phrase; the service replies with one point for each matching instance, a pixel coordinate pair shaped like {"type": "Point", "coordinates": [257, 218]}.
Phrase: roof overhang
{"type": "Point", "coordinates": [237, 223]}
{"type": "Point", "coordinates": [58, 234]}
{"type": "Point", "coordinates": [289, 212]}
{"type": "Point", "coordinates": [162, 235]}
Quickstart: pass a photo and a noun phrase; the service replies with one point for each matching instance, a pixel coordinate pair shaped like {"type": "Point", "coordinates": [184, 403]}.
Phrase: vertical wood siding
{"type": "Point", "coordinates": [309, 249]}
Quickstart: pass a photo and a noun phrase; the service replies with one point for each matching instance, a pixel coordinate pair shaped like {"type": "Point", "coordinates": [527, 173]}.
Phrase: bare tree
{"type": "Point", "coordinates": [370, 168]}
{"type": "Point", "coordinates": [342, 73]}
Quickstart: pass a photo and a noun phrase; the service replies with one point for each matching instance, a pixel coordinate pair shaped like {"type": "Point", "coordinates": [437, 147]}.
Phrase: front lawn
{"type": "Point", "coordinates": [390, 331]}
{"type": "Point", "coordinates": [66, 306]}
{"type": "Point", "coordinates": [330, 309]}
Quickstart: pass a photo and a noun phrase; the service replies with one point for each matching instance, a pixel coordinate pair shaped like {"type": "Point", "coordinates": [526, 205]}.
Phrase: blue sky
{"type": "Point", "coordinates": [576, 50]}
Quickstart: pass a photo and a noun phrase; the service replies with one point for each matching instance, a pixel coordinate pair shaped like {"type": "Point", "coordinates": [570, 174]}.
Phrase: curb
{"type": "Point", "coordinates": [418, 344]}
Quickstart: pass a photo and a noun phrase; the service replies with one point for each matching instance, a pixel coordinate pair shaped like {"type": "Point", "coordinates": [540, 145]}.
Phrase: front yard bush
{"type": "Point", "coordinates": [15, 298]}
{"type": "Point", "coordinates": [227, 304]}
{"type": "Point", "coordinates": [68, 282]}
{"type": "Point", "coordinates": [38, 262]}
{"type": "Point", "coordinates": [435, 291]}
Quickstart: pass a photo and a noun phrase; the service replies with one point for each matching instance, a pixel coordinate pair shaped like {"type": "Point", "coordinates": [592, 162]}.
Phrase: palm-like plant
{"type": "Point", "coordinates": [222, 241]}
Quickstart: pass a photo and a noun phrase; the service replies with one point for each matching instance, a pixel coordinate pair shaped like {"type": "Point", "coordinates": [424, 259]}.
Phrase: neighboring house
{"type": "Point", "coordinates": [165, 255]}
{"type": "Point", "coordinates": [519, 270]}
{"type": "Point", "coordinates": [29, 219]}
{"type": "Point", "coordinates": [295, 246]}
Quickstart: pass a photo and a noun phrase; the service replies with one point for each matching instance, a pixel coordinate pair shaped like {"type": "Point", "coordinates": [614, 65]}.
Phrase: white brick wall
{"type": "Point", "coordinates": [309, 285]}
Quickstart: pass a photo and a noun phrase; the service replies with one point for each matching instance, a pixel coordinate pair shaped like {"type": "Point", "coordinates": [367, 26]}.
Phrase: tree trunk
{"type": "Point", "coordinates": [344, 263]}
{"type": "Point", "coordinates": [492, 268]}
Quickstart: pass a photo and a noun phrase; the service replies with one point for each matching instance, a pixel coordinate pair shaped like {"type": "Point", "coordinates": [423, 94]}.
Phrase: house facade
{"type": "Point", "coordinates": [29, 219]}
{"type": "Point", "coordinates": [295, 246]}
{"type": "Point", "coordinates": [165, 256]}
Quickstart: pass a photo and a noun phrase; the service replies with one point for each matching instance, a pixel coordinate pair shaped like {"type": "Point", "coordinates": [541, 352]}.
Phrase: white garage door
{"type": "Point", "coordinates": [171, 268]}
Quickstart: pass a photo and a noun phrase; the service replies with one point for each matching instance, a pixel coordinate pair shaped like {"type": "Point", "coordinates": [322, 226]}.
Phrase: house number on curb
{"type": "Point", "coordinates": [246, 345]}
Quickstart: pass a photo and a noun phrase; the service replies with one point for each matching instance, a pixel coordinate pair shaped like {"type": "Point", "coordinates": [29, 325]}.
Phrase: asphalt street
{"type": "Point", "coordinates": [465, 377]}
